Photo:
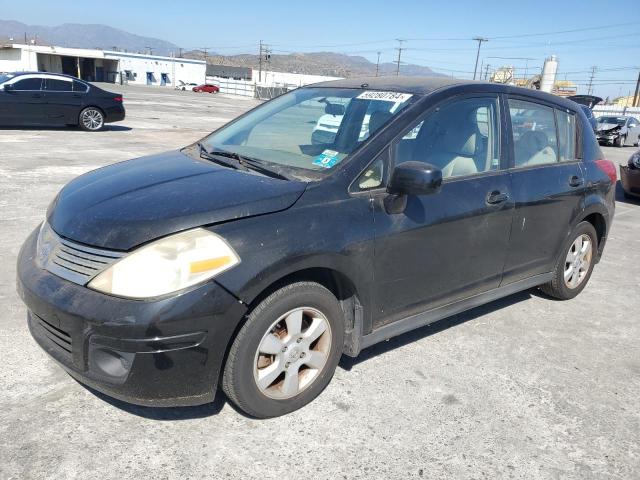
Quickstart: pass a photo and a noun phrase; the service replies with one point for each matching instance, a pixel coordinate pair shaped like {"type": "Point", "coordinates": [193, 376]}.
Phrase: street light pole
{"type": "Point", "coordinates": [479, 40]}
{"type": "Point", "coordinates": [378, 63]}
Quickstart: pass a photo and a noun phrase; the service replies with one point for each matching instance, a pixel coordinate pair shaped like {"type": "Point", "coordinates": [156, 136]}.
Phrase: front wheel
{"type": "Point", "coordinates": [91, 119]}
{"type": "Point", "coordinates": [619, 142]}
{"type": "Point", "coordinates": [286, 352]}
{"type": "Point", "coordinates": [573, 270]}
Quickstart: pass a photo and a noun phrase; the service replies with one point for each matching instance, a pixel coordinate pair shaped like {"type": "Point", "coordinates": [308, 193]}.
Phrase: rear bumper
{"type": "Point", "coordinates": [114, 114]}
{"type": "Point", "coordinates": [162, 352]}
{"type": "Point", "coordinates": [630, 180]}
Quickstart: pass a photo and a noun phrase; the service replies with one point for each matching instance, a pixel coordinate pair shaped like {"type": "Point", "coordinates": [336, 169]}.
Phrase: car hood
{"type": "Point", "coordinates": [129, 203]}
{"type": "Point", "coordinates": [600, 127]}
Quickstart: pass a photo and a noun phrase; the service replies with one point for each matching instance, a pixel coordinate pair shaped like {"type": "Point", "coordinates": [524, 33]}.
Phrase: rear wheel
{"type": "Point", "coordinates": [287, 351]}
{"type": "Point", "coordinates": [575, 265]}
{"type": "Point", "coordinates": [91, 119]}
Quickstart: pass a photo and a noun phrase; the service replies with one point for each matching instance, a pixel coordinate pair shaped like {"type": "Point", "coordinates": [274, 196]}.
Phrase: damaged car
{"type": "Point", "coordinates": [619, 131]}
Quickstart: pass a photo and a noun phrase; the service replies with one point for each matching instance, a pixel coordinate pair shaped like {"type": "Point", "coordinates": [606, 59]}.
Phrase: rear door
{"type": "Point", "coordinates": [548, 186]}
{"type": "Point", "coordinates": [24, 104]}
{"type": "Point", "coordinates": [451, 244]}
{"type": "Point", "coordinates": [62, 103]}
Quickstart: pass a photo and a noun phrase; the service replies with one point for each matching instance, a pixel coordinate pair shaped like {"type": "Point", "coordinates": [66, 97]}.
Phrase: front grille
{"type": "Point", "coordinates": [56, 335]}
{"type": "Point", "coordinates": [73, 261]}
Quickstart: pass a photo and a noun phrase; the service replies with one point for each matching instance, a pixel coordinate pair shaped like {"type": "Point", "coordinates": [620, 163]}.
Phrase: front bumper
{"type": "Point", "coordinates": [607, 137]}
{"type": "Point", "coordinates": [630, 180]}
{"type": "Point", "coordinates": [160, 352]}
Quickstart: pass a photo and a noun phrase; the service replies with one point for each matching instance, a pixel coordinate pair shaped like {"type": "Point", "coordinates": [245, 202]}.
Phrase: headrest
{"type": "Point", "coordinates": [377, 120]}
{"type": "Point", "coordinates": [533, 141]}
{"type": "Point", "coordinates": [460, 140]}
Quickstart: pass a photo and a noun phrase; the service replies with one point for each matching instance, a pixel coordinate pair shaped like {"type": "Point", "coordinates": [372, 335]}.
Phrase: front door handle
{"type": "Point", "coordinates": [36, 95]}
{"type": "Point", "coordinates": [575, 181]}
{"type": "Point", "coordinates": [496, 197]}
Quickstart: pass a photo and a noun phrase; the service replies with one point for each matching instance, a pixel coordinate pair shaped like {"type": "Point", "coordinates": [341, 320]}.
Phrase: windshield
{"type": "Point", "coordinates": [309, 129]}
{"type": "Point", "coordinates": [4, 77]}
{"type": "Point", "coordinates": [616, 120]}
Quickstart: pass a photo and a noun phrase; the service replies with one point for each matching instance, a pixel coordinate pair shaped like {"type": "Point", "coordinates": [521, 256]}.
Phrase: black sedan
{"type": "Point", "coordinates": [52, 99]}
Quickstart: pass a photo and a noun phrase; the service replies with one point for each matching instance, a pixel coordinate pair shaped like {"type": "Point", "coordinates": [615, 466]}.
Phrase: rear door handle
{"type": "Point", "coordinates": [496, 197]}
{"type": "Point", "coordinates": [575, 181]}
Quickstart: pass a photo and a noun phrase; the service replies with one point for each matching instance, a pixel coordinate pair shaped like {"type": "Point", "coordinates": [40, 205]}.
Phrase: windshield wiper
{"type": "Point", "coordinates": [241, 162]}
{"type": "Point", "coordinates": [214, 157]}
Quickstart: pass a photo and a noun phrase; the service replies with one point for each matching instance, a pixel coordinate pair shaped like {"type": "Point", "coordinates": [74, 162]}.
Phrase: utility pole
{"type": "Point", "coordinates": [399, 49]}
{"type": "Point", "coordinates": [180, 52]}
{"type": "Point", "coordinates": [486, 71]}
{"type": "Point", "coordinates": [260, 65]}
{"type": "Point", "coordinates": [636, 100]}
{"type": "Point", "coordinates": [593, 74]}
{"type": "Point", "coordinates": [204, 50]}
{"type": "Point", "coordinates": [479, 40]}
{"type": "Point", "coordinates": [378, 64]}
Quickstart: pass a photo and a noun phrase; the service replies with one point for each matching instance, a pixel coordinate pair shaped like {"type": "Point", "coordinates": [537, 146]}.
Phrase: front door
{"type": "Point", "coordinates": [24, 103]}
{"type": "Point", "coordinates": [548, 186]}
{"type": "Point", "coordinates": [452, 244]}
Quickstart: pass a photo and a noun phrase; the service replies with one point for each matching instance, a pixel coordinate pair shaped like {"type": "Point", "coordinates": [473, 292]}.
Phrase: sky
{"type": "Point", "coordinates": [439, 34]}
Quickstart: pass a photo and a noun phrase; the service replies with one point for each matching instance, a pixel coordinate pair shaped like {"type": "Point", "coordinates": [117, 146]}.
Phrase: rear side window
{"type": "Point", "coordinates": [79, 87]}
{"type": "Point", "coordinates": [28, 84]}
{"type": "Point", "coordinates": [566, 136]}
{"type": "Point", "coordinates": [57, 85]}
{"type": "Point", "coordinates": [534, 133]}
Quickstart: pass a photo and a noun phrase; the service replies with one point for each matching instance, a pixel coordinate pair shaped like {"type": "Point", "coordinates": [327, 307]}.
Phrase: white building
{"type": "Point", "coordinates": [102, 65]}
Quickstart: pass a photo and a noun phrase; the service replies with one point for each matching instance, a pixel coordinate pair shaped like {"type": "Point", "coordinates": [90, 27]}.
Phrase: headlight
{"type": "Point", "coordinates": [167, 265]}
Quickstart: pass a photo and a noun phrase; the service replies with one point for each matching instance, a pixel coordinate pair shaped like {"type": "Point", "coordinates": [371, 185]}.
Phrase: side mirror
{"type": "Point", "coordinates": [415, 178]}
{"type": "Point", "coordinates": [632, 125]}
{"type": "Point", "coordinates": [334, 109]}
{"type": "Point", "coordinates": [8, 87]}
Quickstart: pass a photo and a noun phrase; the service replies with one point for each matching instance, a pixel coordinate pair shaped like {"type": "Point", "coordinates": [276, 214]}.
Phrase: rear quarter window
{"type": "Point", "coordinates": [566, 135]}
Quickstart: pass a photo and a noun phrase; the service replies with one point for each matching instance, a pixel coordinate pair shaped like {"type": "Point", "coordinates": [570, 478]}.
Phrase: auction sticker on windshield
{"type": "Point", "coordinates": [327, 159]}
{"type": "Point", "coordinates": [385, 96]}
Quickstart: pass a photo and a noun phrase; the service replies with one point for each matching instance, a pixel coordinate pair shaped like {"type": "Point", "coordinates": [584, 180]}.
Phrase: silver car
{"type": "Point", "coordinates": [618, 130]}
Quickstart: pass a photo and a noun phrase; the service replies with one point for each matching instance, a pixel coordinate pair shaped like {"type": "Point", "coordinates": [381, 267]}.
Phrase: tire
{"type": "Point", "coordinates": [619, 141]}
{"type": "Point", "coordinates": [580, 273]}
{"type": "Point", "coordinates": [270, 369]}
{"type": "Point", "coordinates": [91, 119]}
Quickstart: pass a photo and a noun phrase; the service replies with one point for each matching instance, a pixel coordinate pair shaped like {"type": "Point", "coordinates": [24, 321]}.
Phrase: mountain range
{"type": "Point", "coordinates": [108, 38]}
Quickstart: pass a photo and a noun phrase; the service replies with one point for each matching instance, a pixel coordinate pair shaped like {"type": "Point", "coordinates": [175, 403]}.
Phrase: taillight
{"type": "Point", "coordinates": [609, 168]}
{"type": "Point", "coordinates": [117, 99]}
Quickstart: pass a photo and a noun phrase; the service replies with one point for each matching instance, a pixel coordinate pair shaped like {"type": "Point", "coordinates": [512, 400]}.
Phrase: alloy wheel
{"type": "Point", "coordinates": [292, 353]}
{"type": "Point", "coordinates": [578, 261]}
{"type": "Point", "coordinates": [92, 119]}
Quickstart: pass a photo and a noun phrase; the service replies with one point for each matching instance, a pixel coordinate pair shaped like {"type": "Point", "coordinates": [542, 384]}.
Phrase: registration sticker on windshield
{"type": "Point", "coordinates": [385, 96]}
{"type": "Point", "coordinates": [326, 159]}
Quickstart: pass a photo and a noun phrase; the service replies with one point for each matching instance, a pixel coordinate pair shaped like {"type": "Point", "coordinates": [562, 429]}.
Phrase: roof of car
{"type": "Point", "coordinates": [417, 85]}
{"type": "Point", "coordinates": [427, 85]}
{"type": "Point", "coordinates": [49, 74]}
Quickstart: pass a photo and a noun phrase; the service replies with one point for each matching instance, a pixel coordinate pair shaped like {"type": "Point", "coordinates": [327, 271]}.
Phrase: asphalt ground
{"type": "Point", "coordinates": [524, 387]}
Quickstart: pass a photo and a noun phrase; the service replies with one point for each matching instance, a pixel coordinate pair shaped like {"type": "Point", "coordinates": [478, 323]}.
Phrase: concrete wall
{"type": "Point", "coordinates": [277, 79]}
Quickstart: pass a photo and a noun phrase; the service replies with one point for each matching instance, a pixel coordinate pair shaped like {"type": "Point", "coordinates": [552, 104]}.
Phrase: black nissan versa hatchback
{"type": "Point", "coordinates": [255, 258]}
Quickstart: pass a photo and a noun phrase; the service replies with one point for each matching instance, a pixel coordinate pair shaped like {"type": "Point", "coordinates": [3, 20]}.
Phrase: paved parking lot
{"type": "Point", "coordinates": [524, 387]}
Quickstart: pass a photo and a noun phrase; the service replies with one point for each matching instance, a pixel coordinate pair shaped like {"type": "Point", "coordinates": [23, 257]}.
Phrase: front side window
{"type": "Point", "coordinates": [28, 84]}
{"type": "Point", "coordinates": [461, 138]}
{"type": "Point", "coordinates": [534, 133]}
{"type": "Point", "coordinates": [58, 85]}
{"type": "Point", "coordinates": [566, 136]}
{"type": "Point", "coordinates": [312, 129]}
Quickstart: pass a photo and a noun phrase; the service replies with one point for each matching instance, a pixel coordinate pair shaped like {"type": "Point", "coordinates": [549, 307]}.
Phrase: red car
{"type": "Point", "coordinates": [206, 88]}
